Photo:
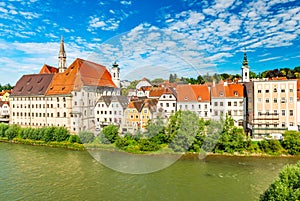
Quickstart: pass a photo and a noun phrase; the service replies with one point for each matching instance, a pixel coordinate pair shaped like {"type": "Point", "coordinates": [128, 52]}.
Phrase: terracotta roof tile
{"type": "Point", "coordinates": [46, 69]}
{"type": "Point", "coordinates": [80, 73]}
{"type": "Point", "coordinates": [186, 93]}
{"type": "Point", "coordinates": [235, 90]}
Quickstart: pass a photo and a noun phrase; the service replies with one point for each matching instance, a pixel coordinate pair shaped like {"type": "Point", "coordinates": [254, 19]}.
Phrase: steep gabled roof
{"type": "Point", "coordinates": [192, 93]}
{"type": "Point", "coordinates": [80, 73]}
{"type": "Point", "coordinates": [3, 102]}
{"type": "Point", "coordinates": [46, 69]}
{"type": "Point", "coordinates": [35, 84]}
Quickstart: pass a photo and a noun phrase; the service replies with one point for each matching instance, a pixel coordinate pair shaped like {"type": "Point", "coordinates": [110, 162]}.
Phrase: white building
{"type": "Point", "coordinates": [110, 110]}
{"type": "Point", "coordinates": [195, 98]}
{"type": "Point", "coordinates": [228, 99]}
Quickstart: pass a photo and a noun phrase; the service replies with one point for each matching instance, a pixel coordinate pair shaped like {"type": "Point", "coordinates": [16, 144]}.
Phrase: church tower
{"type": "Point", "coordinates": [62, 57]}
{"type": "Point", "coordinates": [115, 71]}
{"type": "Point", "coordinates": [245, 69]}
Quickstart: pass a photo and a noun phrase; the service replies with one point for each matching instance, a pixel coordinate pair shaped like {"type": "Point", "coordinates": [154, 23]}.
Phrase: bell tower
{"type": "Point", "coordinates": [245, 69]}
{"type": "Point", "coordinates": [115, 71]}
{"type": "Point", "coordinates": [62, 57]}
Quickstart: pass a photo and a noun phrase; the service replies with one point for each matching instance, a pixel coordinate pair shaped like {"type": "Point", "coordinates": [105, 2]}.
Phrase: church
{"type": "Point", "coordinates": [63, 96]}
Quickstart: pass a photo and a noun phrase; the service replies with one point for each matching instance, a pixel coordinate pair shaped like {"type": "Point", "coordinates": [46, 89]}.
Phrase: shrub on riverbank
{"type": "Point", "coordinates": [286, 187]}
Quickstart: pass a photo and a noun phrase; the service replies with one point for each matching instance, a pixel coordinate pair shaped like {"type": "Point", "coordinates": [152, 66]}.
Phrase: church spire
{"type": "Point", "coordinates": [62, 57]}
{"type": "Point", "coordinates": [245, 62]}
{"type": "Point", "coordinates": [245, 69]}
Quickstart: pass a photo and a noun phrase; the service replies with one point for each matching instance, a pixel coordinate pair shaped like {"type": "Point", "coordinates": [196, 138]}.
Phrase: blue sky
{"type": "Point", "coordinates": [150, 38]}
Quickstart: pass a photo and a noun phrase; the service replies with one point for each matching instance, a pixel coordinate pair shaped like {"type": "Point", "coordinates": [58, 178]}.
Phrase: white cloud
{"type": "Point", "coordinates": [126, 2]}
{"type": "Point", "coordinates": [268, 59]}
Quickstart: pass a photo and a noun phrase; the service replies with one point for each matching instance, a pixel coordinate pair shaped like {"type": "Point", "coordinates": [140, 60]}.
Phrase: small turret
{"type": "Point", "coordinates": [245, 69]}
{"type": "Point", "coordinates": [115, 71]}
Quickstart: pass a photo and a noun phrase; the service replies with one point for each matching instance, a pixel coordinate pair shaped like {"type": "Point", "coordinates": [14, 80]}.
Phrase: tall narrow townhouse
{"type": "Point", "coordinates": [110, 110]}
{"type": "Point", "coordinates": [194, 98]}
{"type": "Point", "coordinates": [275, 106]}
{"type": "Point", "coordinates": [228, 99]}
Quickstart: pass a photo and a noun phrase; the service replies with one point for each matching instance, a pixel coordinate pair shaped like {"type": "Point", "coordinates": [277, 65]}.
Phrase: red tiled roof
{"type": "Point", "coordinates": [80, 73]}
{"type": "Point", "coordinates": [186, 93]}
{"type": "Point", "coordinates": [235, 90]}
{"type": "Point", "coordinates": [46, 69]}
{"type": "Point", "coordinates": [156, 92]}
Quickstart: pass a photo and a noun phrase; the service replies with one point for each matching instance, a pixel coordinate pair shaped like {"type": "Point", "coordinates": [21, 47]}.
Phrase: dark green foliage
{"type": "Point", "coordinates": [286, 187]}
{"type": "Point", "coordinates": [74, 138]}
{"type": "Point", "coordinates": [270, 146]}
{"type": "Point", "coordinates": [291, 142]}
{"type": "Point", "coordinates": [48, 133]}
{"type": "Point", "coordinates": [148, 145]}
{"type": "Point", "coordinates": [12, 132]}
{"type": "Point", "coordinates": [60, 134]}
{"type": "Point", "coordinates": [111, 133]}
{"type": "Point", "coordinates": [3, 128]}
{"type": "Point", "coordinates": [86, 136]}
{"type": "Point", "coordinates": [6, 87]}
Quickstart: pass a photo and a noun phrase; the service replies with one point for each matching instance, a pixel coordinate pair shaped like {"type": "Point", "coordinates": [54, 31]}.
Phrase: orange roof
{"type": "Point", "coordinates": [80, 73]}
{"type": "Point", "coordinates": [4, 92]}
{"type": "Point", "coordinates": [187, 93]}
{"type": "Point", "coordinates": [234, 90]}
{"type": "Point", "coordinates": [156, 92]}
{"type": "Point", "coordinates": [46, 69]}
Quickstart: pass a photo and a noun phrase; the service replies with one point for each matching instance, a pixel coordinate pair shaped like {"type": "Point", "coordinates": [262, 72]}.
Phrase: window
{"type": "Point", "coordinates": [221, 93]}
{"type": "Point", "coordinates": [291, 90]}
{"type": "Point", "coordinates": [291, 124]}
{"type": "Point", "coordinates": [161, 104]}
{"type": "Point", "coordinates": [205, 106]}
{"type": "Point", "coordinates": [58, 114]}
{"type": "Point", "coordinates": [235, 103]}
{"type": "Point", "coordinates": [275, 112]}
{"type": "Point", "coordinates": [291, 99]}
{"type": "Point", "coordinates": [267, 91]}
{"type": "Point", "coordinates": [291, 112]}
{"type": "Point", "coordinates": [267, 100]}
{"type": "Point", "coordinates": [216, 113]}
{"type": "Point", "coordinates": [283, 124]}
{"type": "Point", "coordinates": [275, 100]}
{"type": "Point", "coordinates": [205, 114]}
{"type": "Point", "coordinates": [282, 99]}
{"type": "Point", "coordinates": [275, 90]}
{"type": "Point", "coordinates": [241, 103]}
{"type": "Point", "coordinates": [216, 103]}
{"type": "Point", "coordinates": [259, 100]}
{"type": "Point", "coordinates": [199, 106]}
{"type": "Point", "coordinates": [221, 103]}
{"type": "Point", "coordinates": [229, 103]}
{"type": "Point", "coordinates": [229, 112]}
{"type": "Point", "coordinates": [259, 91]}
{"type": "Point", "coordinates": [167, 104]}
{"type": "Point", "coordinates": [283, 112]}
{"type": "Point", "coordinates": [282, 90]}
{"type": "Point", "coordinates": [235, 93]}
{"type": "Point", "coordinates": [174, 104]}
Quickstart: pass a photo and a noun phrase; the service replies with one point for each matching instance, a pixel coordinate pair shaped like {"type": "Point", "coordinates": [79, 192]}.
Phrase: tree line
{"type": "Point", "coordinates": [6, 87]}
{"type": "Point", "coordinates": [185, 132]}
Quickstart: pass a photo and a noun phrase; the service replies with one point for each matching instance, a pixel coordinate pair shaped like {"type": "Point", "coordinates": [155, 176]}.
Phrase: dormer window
{"type": "Point", "coordinates": [236, 93]}
{"type": "Point", "coordinates": [221, 93]}
{"type": "Point", "coordinates": [185, 98]}
{"type": "Point", "coordinates": [199, 98]}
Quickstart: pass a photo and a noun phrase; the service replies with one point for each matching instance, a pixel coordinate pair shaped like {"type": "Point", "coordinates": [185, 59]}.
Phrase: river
{"type": "Point", "coordinates": [44, 173]}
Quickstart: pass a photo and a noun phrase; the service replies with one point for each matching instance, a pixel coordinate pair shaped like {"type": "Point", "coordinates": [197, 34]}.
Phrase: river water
{"type": "Point", "coordinates": [43, 173]}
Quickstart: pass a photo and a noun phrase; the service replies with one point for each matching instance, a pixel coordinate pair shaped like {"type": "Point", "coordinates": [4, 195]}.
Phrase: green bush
{"type": "Point", "coordinates": [291, 142]}
{"type": "Point", "coordinates": [3, 128]}
{"type": "Point", "coordinates": [61, 134]}
{"type": "Point", "coordinates": [12, 132]}
{"type": "Point", "coordinates": [286, 187]}
{"type": "Point", "coordinates": [74, 138]}
{"type": "Point", "coordinates": [86, 136]}
{"type": "Point", "coordinates": [111, 133]}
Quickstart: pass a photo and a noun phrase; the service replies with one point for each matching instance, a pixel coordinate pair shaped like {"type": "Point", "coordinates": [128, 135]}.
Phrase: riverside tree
{"type": "Point", "coordinates": [286, 187]}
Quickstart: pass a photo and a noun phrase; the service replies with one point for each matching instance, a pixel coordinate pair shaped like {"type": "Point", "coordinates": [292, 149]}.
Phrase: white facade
{"type": "Point", "coordinates": [202, 109]}
{"type": "Point", "coordinates": [234, 107]}
{"type": "Point", "coordinates": [167, 104]}
{"type": "Point", "coordinates": [4, 110]}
